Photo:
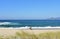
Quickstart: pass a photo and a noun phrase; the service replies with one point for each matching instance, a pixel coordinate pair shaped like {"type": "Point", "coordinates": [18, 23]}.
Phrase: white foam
{"type": "Point", "coordinates": [4, 23]}
{"type": "Point", "coordinates": [26, 27]}
{"type": "Point", "coordinates": [9, 23]}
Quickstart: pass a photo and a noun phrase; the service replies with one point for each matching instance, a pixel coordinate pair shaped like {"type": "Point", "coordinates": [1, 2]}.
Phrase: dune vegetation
{"type": "Point", "coordinates": [25, 35]}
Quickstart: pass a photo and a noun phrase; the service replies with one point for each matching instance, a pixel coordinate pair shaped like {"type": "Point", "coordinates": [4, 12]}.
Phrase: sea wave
{"type": "Point", "coordinates": [9, 23]}
{"type": "Point", "coordinates": [33, 28]}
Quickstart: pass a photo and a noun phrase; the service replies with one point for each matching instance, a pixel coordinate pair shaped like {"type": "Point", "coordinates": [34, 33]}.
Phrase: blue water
{"type": "Point", "coordinates": [31, 23]}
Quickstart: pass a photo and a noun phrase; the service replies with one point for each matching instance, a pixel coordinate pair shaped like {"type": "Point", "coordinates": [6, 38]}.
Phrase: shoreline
{"type": "Point", "coordinates": [32, 28]}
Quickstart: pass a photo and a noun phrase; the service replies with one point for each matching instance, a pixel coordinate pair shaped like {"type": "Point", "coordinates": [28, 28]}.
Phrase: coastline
{"type": "Point", "coordinates": [7, 32]}
{"type": "Point", "coordinates": [32, 28]}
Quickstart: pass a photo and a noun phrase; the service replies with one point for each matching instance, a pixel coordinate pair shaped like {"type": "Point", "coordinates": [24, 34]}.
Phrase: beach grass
{"type": "Point", "coordinates": [25, 35]}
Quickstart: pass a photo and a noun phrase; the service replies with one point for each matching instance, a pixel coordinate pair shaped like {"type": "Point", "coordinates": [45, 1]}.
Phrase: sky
{"type": "Point", "coordinates": [29, 9]}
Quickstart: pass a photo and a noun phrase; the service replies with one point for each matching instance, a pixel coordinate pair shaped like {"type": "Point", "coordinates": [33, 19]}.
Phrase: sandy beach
{"type": "Point", "coordinates": [6, 32]}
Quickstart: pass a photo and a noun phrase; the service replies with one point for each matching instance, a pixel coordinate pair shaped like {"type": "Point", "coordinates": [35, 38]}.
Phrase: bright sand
{"type": "Point", "coordinates": [6, 32]}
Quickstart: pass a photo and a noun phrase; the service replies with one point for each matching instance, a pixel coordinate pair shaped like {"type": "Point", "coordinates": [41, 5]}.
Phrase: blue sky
{"type": "Point", "coordinates": [29, 9]}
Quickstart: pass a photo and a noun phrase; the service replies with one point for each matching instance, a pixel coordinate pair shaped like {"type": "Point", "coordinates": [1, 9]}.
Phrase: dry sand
{"type": "Point", "coordinates": [13, 31]}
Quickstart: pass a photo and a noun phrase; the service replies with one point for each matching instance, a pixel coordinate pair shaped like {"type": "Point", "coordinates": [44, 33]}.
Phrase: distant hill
{"type": "Point", "coordinates": [52, 18]}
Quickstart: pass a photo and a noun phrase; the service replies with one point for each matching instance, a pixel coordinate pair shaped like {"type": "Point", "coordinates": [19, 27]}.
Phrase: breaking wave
{"type": "Point", "coordinates": [9, 23]}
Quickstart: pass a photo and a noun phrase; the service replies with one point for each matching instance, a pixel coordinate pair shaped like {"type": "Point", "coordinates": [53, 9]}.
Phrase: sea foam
{"type": "Point", "coordinates": [9, 23]}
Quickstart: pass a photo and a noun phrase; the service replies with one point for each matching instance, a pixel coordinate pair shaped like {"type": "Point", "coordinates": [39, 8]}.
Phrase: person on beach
{"type": "Point", "coordinates": [30, 28]}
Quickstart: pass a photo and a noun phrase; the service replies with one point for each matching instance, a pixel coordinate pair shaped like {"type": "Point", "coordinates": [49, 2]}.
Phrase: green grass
{"type": "Point", "coordinates": [25, 35]}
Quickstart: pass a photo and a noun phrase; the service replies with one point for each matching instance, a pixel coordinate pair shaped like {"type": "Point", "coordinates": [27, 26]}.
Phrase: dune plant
{"type": "Point", "coordinates": [57, 35]}
{"type": "Point", "coordinates": [10, 37]}
{"type": "Point", "coordinates": [48, 35]}
{"type": "Point", "coordinates": [43, 36]}
{"type": "Point", "coordinates": [22, 35]}
{"type": "Point", "coordinates": [1, 37]}
{"type": "Point", "coordinates": [33, 36]}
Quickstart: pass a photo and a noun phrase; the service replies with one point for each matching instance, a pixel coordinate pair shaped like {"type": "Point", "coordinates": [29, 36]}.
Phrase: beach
{"type": "Point", "coordinates": [29, 34]}
{"type": "Point", "coordinates": [7, 32]}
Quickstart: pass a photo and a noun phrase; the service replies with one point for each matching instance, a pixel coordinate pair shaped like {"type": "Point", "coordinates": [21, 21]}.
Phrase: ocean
{"type": "Point", "coordinates": [29, 23]}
